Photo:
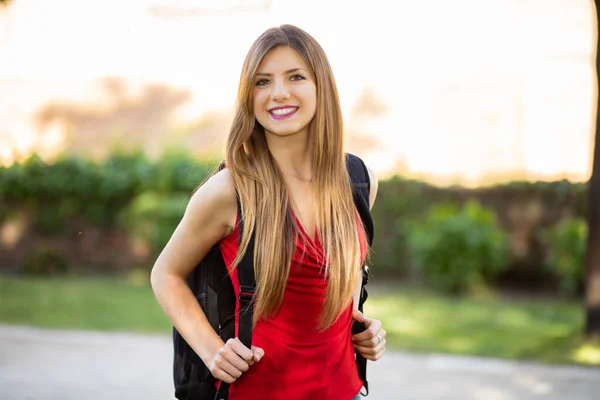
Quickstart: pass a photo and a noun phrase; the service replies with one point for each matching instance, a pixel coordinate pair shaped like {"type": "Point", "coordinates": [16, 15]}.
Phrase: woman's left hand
{"type": "Point", "coordinates": [371, 342]}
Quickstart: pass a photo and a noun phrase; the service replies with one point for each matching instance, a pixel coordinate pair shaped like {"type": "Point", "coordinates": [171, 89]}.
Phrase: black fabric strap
{"type": "Point", "coordinates": [361, 188]}
{"type": "Point", "coordinates": [223, 392]}
{"type": "Point", "coordinates": [247, 289]}
{"type": "Point", "coordinates": [358, 327]}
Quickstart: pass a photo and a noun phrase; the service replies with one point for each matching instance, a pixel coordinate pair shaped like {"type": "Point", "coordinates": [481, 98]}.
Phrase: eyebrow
{"type": "Point", "coordinates": [289, 71]}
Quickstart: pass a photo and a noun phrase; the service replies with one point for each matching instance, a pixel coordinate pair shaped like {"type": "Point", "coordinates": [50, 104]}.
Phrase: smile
{"type": "Point", "coordinates": [281, 113]}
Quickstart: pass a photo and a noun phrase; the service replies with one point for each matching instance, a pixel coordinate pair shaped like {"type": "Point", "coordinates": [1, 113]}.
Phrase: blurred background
{"type": "Point", "coordinates": [477, 116]}
{"type": "Point", "coordinates": [462, 92]}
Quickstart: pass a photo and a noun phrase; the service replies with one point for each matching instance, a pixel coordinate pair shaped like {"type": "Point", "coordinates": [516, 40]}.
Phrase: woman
{"type": "Point", "coordinates": [285, 160]}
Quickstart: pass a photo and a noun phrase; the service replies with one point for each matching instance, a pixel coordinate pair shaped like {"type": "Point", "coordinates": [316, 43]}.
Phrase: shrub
{"type": "Point", "coordinates": [44, 262]}
{"type": "Point", "coordinates": [178, 171]}
{"type": "Point", "coordinates": [456, 249]}
{"type": "Point", "coordinates": [566, 246]}
{"type": "Point", "coordinates": [399, 203]}
{"type": "Point", "coordinates": [153, 217]}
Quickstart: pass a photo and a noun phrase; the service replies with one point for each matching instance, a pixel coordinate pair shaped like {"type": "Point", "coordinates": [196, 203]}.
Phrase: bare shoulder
{"type": "Point", "coordinates": [209, 216]}
{"type": "Point", "coordinates": [374, 186]}
{"type": "Point", "coordinates": [214, 200]}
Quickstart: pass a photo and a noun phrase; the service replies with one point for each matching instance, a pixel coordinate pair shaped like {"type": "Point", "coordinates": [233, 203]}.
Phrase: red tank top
{"type": "Point", "coordinates": [300, 362]}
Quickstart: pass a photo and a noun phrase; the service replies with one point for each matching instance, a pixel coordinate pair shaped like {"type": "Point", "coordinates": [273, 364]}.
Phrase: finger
{"type": "Point", "coordinates": [358, 316]}
{"type": "Point", "coordinates": [371, 347]}
{"type": "Point", "coordinates": [242, 351]}
{"type": "Point", "coordinates": [372, 353]}
{"type": "Point", "coordinates": [372, 329]}
{"type": "Point", "coordinates": [366, 352]}
{"type": "Point", "coordinates": [371, 350]}
{"type": "Point", "coordinates": [378, 355]}
{"type": "Point", "coordinates": [374, 341]}
{"type": "Point", "coordinates": [367, 340]}
{"type": "Point", "coordinates": [229, 354]}
{"type": "Point", "coordinates": [226, 368]}
{"type": "Point", "coordinates": [220, 374]}
{"type": "Point", "coordinates": [258, 353]}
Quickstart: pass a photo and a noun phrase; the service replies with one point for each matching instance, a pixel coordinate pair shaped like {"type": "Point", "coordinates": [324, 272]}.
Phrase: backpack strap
{"type": "Point", "coordinates": [246, 279]}
{"type": "Point", "coordinates": [361, 192]}
{"type": "Point", "coordinates": [247, 290]}
{"type": "Point", "coordinates": [361, 188]}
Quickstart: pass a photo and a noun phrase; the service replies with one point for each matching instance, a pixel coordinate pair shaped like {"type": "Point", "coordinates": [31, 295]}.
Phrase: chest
{"type": "Point", "coordinates": [304, 207]}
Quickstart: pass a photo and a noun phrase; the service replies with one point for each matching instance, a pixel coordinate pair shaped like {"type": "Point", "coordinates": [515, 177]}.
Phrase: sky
{"type": "Point", "coordinates": [470, 89]}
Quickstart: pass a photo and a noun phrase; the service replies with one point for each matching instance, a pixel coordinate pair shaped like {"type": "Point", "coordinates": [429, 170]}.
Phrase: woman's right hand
{"type": "Point", "coordinates": [233, 359]}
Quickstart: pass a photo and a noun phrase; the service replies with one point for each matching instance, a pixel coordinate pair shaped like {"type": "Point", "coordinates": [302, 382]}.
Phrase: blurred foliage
{"type": "Point", "coordinates": [112, 182]}
{"type": "Point", "coordinates": [456, 249]}
{"type": "Point", "coordinates": [178, 171]}
{"type": "Point", "coordinates": [403, 204]}
{"type": "Point", "coordinates": [566, 243]}
{"type": "Point", "coordinates": [45, 262]}
{"type": "Point", "coordinates": [153, 216]}
{"type": "Point", "coordinates": [72, 187]}
{"type": "Point", "coordinates": [104, 207]}
{"type": "Point", "coordinates": [126, 191]}
{"type": "Point", "coordinates": [399, 202]}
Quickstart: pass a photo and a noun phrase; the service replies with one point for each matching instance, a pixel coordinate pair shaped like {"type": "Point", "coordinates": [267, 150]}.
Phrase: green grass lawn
{"type": "Point", "coordinates": [81, 303]}
{"type": "Point", "coordinates": [415, 319]}
{"type": "Point", "coordinates": [546, 330]}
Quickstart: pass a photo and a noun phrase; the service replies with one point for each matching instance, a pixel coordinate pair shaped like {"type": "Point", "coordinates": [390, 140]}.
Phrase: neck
{"type": "Point", "coordinates": [292, 154]}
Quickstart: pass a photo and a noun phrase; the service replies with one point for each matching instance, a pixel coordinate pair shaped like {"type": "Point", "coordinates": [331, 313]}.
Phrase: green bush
{"type": "Point", "coordinates": [148, 197]}
{"type": "Point", "coordinates": [98, 192]}
{"type": "Point", "coordinates": [566, 243]}
{"type": "Point", "coordinates": [178, 171]}
{"type": "Point", "coordinates": [44, 262]}
{"type": "Point", "coordinates": [400, 202]}
{"type": "Point", "coordinates": [153, 217]}
{"type": "Point", "coordinates": [456, 249]}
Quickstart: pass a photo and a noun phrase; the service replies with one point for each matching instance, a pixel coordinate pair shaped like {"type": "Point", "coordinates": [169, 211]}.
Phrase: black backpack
{"type": "Point", "coordinates": [211, 284]}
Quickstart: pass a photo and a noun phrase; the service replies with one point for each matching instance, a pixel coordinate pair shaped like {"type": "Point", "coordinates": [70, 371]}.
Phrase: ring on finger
{"type": "Point", "coordinates": [379, 339]}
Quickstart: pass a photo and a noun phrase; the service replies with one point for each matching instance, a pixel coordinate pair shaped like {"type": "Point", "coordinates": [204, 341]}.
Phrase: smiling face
{"type": "Point", "coordinates": [285, 94]}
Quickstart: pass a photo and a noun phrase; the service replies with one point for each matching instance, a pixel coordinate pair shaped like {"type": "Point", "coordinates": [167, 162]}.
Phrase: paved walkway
{"type": "Point", "coordinates": [38, 364]}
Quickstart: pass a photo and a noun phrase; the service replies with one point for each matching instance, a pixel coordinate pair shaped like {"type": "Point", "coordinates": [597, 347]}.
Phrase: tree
{"type": "Point", "coordinates": [592, 296]}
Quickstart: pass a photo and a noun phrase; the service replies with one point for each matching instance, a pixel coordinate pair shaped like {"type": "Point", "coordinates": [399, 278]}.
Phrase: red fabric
{"type": "Point", "coordinates": [300, 363]}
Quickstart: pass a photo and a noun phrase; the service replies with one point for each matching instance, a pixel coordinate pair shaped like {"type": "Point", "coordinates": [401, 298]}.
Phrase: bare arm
{"type": "Point", "coordinates": [209, 217]}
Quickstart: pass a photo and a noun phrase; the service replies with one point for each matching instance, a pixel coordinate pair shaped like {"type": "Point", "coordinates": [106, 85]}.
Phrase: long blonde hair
{"type": "Point", "coordinates": [264, 196]}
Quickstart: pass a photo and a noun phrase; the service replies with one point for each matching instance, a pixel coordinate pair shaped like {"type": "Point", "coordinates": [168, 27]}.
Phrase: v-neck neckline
{"type": "Point", "coordinates": [304, 231]}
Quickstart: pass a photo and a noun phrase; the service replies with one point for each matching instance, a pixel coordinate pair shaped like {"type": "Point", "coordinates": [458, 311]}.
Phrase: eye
{"type": "Point", "coordinates": [297, 77]}
{"type": "Point", "coordinates": [262, 82]}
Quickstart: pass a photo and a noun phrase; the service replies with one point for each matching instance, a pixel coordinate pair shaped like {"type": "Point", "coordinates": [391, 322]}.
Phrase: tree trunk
{"type": "Point", "coordinates": [592, 296]}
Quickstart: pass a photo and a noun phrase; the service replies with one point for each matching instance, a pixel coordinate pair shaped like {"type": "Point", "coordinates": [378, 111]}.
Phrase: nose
{"type": "Point", "coordinates": [280, 90]}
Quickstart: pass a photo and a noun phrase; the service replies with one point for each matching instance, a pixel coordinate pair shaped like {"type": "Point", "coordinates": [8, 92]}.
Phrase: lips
{"type": "Point", "coordinates": [283, 112]}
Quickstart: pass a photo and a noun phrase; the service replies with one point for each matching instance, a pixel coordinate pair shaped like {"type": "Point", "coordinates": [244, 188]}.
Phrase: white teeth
{"type": "Point", "coordinates": [283, 111]}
